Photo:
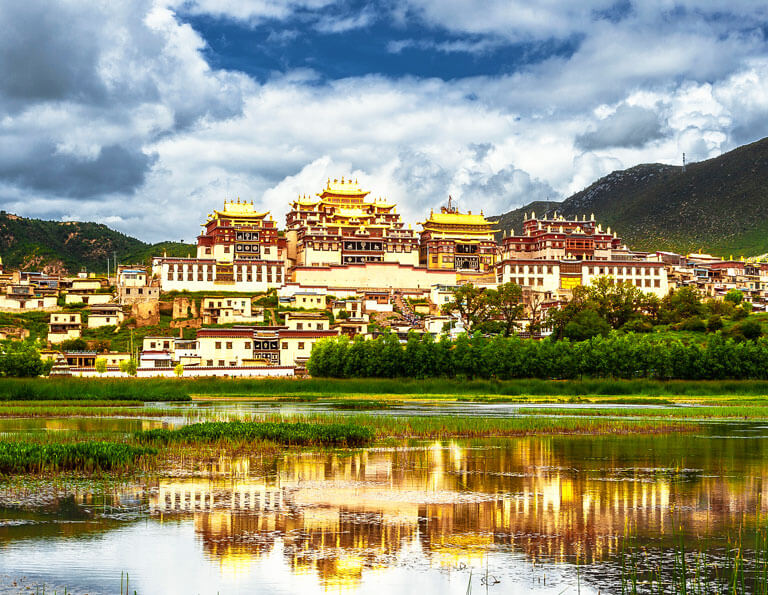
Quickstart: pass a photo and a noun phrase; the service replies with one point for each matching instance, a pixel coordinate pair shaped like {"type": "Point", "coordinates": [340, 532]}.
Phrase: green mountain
{"type": "Point", "coordinates": [35, 244]}
{"type": "Point", "coordinates": [719, 205]}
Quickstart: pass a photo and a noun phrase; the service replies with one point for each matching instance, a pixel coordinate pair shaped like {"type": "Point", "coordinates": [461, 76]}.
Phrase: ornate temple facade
{"type": "Point", "coordinates": [343, 240]}
{"type": "Point", "coordinates": [239, 232]}
{"type": "Point", "coordinates": [340, 226]}
{"type": "Point", "coordinates": [239, 250]}
{"type": "Point", "coordinates": [458, 241]}
{"type": "Point", "coordinates": [558, 237]}
{"type": "Point", "coordinates": [554, 255]}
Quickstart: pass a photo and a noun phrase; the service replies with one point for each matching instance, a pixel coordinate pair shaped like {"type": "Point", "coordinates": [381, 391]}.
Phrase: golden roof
{"type": "Point", "coordinates": [456, 219]}
{"type": "Point", "coordinates": [343, 188]}
{"type": "Point", "coordinates": [240, 209]}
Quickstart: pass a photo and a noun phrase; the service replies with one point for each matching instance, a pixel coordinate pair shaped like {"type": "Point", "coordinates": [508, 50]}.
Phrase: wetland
{"type": "Point", "coordinates": [432, 495]}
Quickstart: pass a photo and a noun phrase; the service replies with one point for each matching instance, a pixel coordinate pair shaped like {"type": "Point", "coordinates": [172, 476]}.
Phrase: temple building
{"type": "Point", "coordinates": [239, 250]}
{"type": "Point", "coordinates": [558, 237]}
{"type": "Point", "coordinates": [458, 241]}
{"type": "Point", "coordinates": [339, 226]}
{"type": "Point", "coordinates": [239, 232]}
{"type": "Point", "coordinates": [555, 255]}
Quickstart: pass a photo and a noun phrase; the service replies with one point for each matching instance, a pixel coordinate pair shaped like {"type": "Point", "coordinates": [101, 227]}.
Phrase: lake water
{"type": "Point", "coordinates": [534, 514]}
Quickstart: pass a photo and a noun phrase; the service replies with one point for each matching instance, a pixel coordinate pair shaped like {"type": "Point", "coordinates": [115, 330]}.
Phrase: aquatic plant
{"type": "Point", "coordinates": [26, 457]}
{"type": "Point", "coordinates": [296, 433]}
{"type": "Point", "coordinates": [51, 389]}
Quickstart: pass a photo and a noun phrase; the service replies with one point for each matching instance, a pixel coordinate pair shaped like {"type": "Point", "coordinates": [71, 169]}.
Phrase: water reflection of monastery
{"type": "Point", "coordinates": [339, 516]}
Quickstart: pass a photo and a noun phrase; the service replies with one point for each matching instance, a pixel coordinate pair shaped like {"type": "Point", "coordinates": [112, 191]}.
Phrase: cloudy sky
{"type": "Point", "coordinates": [146, 114]}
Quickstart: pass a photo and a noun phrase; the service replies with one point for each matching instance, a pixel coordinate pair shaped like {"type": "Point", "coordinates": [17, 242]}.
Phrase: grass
{"type": "Point", "coordinates": [332, 387]}
{"type": "Point", "coordinates": [721, 412]}
{"type": "Point", "coordinates": [75, 411]}
{"type": "Point", "coordinates": [289, 433]}
{"type": "Point", "coordinates": [174, 389]}
{"type": "Point", "coordinates": [32, 457]}
{"type": "Point", "coordinates": [99, 389]}
{"type": "Point", "coordinates": [693, 567]}
{"type": "Point", "coordinates": [448, 426]}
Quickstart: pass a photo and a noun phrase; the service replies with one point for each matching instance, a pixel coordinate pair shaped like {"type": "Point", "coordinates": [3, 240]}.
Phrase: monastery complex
{"type": "Point", "coordinates": [342, 239]}
{"type": "Point", "coordinates": [257, 296]}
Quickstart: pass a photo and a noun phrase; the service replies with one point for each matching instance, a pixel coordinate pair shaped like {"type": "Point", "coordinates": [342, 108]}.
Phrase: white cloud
{"type": "Point", "coordinates": [135, 98]}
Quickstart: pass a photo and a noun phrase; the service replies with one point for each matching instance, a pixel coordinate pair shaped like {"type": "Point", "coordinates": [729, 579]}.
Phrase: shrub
{"type": "Point", "coordinates": [585, 325]}
{"type": "Point", "coordinates": [739, 313]}
{"type": "Point", "coordinates": [73, 345]}
{"type": "Point", "coordinates": [637, 325]}
{"type": "Point", "coordinates": [750, 329]}
{"type": "Point", "coordinates": [714, 323]}
{"type": "Point", "coordinates": [692, 323]}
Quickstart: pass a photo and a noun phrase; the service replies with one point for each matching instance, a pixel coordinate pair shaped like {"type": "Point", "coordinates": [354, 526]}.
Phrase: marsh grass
{"type": "Point", "coordinates": [689, 412]}
{"type": "Point", "coordinates": [121, 389]}
{"type": "Point", "coordinates": [79, 411]}
{"type": "Point", "coordinates": [449, 426]}
{"type": "Point", "coordinates": [175, 389]}
{"type": "Point", "coordinates": [695, 567]}
{"type": "Point", "coordinates": [289, 433]}
{"type": "Point", "coordinates": [35, 457]}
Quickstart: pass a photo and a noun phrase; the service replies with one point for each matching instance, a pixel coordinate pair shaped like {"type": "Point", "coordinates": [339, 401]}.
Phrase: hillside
{"type": "Point", "coordinates": [36, 244]}
{"type": "Point", "coordinates": [719, 205]}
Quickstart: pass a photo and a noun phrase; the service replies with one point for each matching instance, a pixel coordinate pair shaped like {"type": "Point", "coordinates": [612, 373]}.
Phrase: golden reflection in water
{"type": "Point", "coordinates": [338, 515]}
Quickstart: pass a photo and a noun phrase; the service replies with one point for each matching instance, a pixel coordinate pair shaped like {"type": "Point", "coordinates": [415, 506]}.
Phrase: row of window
{"type": "Point", "coordinates": [205, 272]}
{"type": "Point", "coordinates": [361, 246]}
{"type": "Point", "coordinates": [247, 236]}
{"type": "Point", "coordinates": [229, 345]}
{"type": "Point", "coordinates": [361, 259]}
{"type": "Point", "coordinates": [627, 271]}
{"type": "Point", "coordinates": [252, 248]}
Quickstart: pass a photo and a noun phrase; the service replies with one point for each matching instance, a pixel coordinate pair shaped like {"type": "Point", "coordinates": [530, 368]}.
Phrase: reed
{"type": "Point", "coordinates": [723, 412]}
{"type": "Point", "coordinates": [448, 426]}
{"type": "Point", "coordinates": [694, 567]}
{"type": "Point", "coordinates": [122, 389]}
{"type": "Point", "coordinates": [34, 457]}
{"type": "Point", "coordinates": [75, 411]}
{"type": "Point", "coordinates": [296, 433]}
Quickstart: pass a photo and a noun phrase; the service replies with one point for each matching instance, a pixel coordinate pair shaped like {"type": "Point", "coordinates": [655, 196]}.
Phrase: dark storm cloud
{"type": "Point", "coordinates": [48, 53]}
{"type": "Point", "coordinates": [116, 169]}
{"type": "Point", "coordinates": [629, 126]}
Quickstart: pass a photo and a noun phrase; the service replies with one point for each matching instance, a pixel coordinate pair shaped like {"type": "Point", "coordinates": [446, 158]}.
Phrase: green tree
{"type": "Point", "coordinates": [734, 296]}
{"type": "Point", "coordinates": [101, 365]}
{"type": "Point", "coordinates": [471, 303]}
{"type": "Point", "coordinates": [585, 325]}
{"type": "Point", "coordinates": [129, 366]}
{"type": "Point", "coordinates": [681, 303]}
{"type": "Point", "coordinates": [505, 306]}
{"type": "Point", "coordinates": [21, 359]}
{"type": "Point", "coordinates": [179, 370]}
{"type": "Point", "coordinates": [73, 345]}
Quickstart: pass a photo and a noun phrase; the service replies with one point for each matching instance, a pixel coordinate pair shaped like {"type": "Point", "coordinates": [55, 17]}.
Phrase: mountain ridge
{"type": "Point", "coordinates": [69, 246]}
{"type": "Point", "coordinates": [719, 205]}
